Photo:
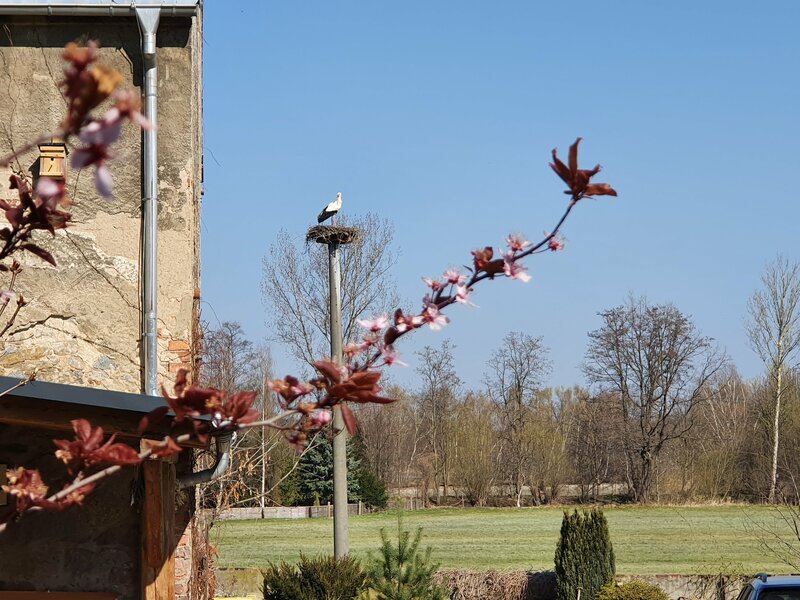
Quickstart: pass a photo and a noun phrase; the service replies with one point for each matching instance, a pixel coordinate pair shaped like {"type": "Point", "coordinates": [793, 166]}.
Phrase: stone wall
{"type": "Point", "coordinates": [82, 325]}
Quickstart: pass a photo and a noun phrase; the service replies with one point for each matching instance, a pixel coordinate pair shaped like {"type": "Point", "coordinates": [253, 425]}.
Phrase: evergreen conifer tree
{"type": "Point", "coordinates": [402, 572]}
{"type": "Point", "coordinates": [315, 473]}
{"type": "Point", "coordinates": [584, 555]}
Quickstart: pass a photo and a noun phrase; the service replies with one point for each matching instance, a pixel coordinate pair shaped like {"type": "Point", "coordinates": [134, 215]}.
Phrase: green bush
{"type": "Point", "coordinates": [401, 572]}
{"type": "Point", "coordinates": [633, 590]}
{"type": "Point", "coordinates": [584, 555]}
{"type": "Point", "coordinates": [373, 490]}
{"type": "Point", "coordinates": [321, 578]}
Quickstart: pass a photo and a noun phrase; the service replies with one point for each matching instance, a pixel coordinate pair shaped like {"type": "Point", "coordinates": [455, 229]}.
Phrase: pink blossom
{"type": "Point", "coordinates": [433, 284]}
{"type": "Point", "coordinates": [434, 318]}
{"type": "Point", "coordinates": [375, 325]}
{"type": "Point", "coordinates": [128, 105]}
{"type": "Point", "coordinates": [47, 188]}
{"type": "Point", "coordinates": [319, 418]}
{"type": "Point", "coordinates": [515, 270]}
{"type": "Point", "coordinates": [95, 154]}
{"type": "Point", "coordinates": [517, 243]}
{"type": "Point", "coordinates": [556, 243]}
{"type": "Point", "coordinates": [405, 322]}
{"type": "Point", "coordinates": [454, 277]}
{"type": "Point", "coordinates": [100, 133]}
{"type": "Point", "coordinates": [389, 356]}
{"type": "Point", "coordinates": [462, 295]}
{"type": "Point", "coordinates": [351, 350]}
{"type": "Point", "coordinates": [6, 296]}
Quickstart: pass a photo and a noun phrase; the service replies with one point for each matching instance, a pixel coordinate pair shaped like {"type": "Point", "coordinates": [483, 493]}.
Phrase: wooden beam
{"type": "Point", "coordinates": [158, 531]}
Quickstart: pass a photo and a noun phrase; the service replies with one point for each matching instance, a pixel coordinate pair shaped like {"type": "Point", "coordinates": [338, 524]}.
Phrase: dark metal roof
{"type": "Point", "coordinates": [85, 396]}
{"type": "Point", "coordinates": [52, 406]}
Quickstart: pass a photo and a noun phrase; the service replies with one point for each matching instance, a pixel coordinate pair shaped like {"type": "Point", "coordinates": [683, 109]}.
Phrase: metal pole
{"type": "Point", "coordinates": [341, 536]}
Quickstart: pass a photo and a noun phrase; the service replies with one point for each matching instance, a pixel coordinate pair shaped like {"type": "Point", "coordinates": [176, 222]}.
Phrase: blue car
{"type": "Point", "coordinates": [772, 587]}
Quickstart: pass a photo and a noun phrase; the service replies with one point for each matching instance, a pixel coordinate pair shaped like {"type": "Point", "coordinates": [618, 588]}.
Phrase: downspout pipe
{"type": "Point", "coordinates": [148, 18]}
{"type": "Point", "coordinates": [223, 443]}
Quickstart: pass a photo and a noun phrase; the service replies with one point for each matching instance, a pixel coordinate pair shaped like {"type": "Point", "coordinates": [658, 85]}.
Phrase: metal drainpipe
{"type": "Point", "coordinates": [148, 18]}
{"type": "Point", "coordinates": [223, 443]}
{"type": "Point", "coordinates": [148, 23]}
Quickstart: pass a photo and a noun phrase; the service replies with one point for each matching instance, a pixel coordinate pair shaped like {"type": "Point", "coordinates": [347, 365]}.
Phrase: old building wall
{"type": "Point", "coordinates": [82, 325]}
{"type": "Point", "coordinates": [83, 321]}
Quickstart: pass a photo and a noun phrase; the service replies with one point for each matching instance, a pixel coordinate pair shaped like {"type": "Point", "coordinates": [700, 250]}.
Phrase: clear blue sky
{"type": "Point", "coordinates": [441, 115]}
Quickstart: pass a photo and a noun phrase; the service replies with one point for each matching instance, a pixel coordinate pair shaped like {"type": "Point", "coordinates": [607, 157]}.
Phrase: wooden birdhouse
{"type": "Point", "coordinates": [53, 159]}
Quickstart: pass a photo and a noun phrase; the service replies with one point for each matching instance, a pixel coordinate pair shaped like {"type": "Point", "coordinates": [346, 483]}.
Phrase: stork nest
{"type": "Point", "coordinates": [332, 234]}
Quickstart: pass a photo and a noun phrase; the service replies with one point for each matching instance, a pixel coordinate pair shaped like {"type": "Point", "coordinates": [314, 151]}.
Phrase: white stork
{"type": "Point", "coordinates": [330, 210]}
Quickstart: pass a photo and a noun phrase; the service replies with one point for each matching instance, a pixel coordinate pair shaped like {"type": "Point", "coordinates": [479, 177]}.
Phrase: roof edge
{"type": "Point", "coordinates": [99, 8]}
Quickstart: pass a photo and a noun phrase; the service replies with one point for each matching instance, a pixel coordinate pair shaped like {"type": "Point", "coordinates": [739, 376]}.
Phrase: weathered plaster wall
{"type": "Point", "coordinates": [82, 325]}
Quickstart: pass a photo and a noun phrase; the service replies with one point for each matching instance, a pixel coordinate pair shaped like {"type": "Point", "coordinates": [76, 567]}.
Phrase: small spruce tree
{"type": "Point", "coordinates": [584, 555]}
{"type": "Point", "coordinates": [314, 474]}
{"type": "Point", "coordinates": [401, 571]}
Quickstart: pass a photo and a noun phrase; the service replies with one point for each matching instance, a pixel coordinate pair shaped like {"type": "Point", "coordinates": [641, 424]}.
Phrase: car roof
{"type": "Point", "coordinates": [776, 581]}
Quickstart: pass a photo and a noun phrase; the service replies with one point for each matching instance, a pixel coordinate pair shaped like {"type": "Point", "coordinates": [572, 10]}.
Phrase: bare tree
{"type": "Point", "coordinates": [774, 332]}
{"type": "Point", "coordinates": [548, 465]}
{"type": "Point", "coordinates": [721, 433]}
{"type": "Point", "coordinates": [475, 468]}
{"type": "Point", "coordinates": [392, 437]}
{"type": "Point", "coordinates": [436, 400]}
{"type": "Point", "coordinates": [229, 358]}
{"type": "Point", "coordinates": [515, 376]}
{"type": "Point", "coordinates": [594, 445]}
{"type": "Point", "coordinates": [232, 362]}
{"type": "Point", "coordinates": [657, 364]}
{"type": "Point", "coordinates": [294, 286]}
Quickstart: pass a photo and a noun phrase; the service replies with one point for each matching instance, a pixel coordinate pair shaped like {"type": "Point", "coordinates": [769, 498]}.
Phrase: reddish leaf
{"type": "Point", "coordinates": [578, 179]}
{"type": "Point", "coordinates": [390, 336]}
{"type": "Point", "coordinates": [573, 156]}
{"type": "Point", "coordinates": [14, 216]}
{"type": "Point", "coordinates": [561, 169]}
{"type": "Point", "coordinates": [600, 189]}
{"type": "Point", "coordinates": [239, 409]}
{"type": "Point", "coordinates": [329, 370]}
{"type": "Point", "coordinates": [362, 387]}
{"type": "Point", "coordinates": [40, 252]}
{"type": "Point", "coordinates": [117, 454]}
{"type": "Point", "coordinates": [349, 420]}
{"type": "Point", "coordinates": [169, 449]}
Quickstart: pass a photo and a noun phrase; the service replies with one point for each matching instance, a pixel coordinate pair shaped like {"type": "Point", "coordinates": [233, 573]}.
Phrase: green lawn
{"type": "Point", "coordinates": [647, 541]}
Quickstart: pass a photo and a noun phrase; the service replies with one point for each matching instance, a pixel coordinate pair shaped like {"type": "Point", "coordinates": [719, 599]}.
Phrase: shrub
{"type": "Point", "coordinates": [584, 556]}
{"type": "Point", "coordinates": [633, 590]}
{"type": "Point", "coordinates": [321, 578]}
{"type": "Point", "coordinates": [401, 572]}
{"type": "Point", "coordinates": [373, 489]}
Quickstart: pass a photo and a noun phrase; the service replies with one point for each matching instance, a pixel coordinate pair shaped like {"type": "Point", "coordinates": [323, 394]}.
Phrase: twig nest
{"type": "Point", "coordinates": [333, 234]}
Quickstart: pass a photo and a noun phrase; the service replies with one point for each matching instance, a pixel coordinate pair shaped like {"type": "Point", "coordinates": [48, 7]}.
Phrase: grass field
{"type": "Point", "coordinates": [647, 541]}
